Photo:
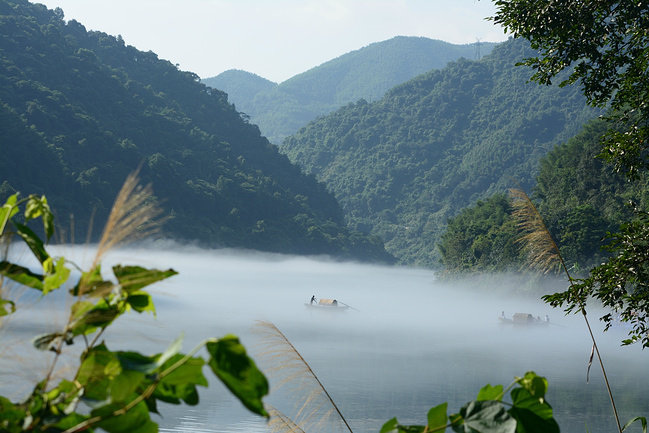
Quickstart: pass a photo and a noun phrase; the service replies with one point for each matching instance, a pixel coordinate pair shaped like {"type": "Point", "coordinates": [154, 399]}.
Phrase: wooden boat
{"type": "Point", "coordinates": [523, 319]}
{"type": "Point", "coordinates": [327, 305]}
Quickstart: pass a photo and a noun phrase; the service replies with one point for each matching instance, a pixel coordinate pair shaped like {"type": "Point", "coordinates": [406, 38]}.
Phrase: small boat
{"type": "Point", "coordinates": [327, 304]}
{"type": "Point", "coordinates": [523, 319]}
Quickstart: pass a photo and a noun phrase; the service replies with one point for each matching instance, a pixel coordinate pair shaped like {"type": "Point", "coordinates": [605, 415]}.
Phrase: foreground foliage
{"type": "Point", "coordinates": [115, 391]}
{"type": "Point", "coordinates": [528, 411]}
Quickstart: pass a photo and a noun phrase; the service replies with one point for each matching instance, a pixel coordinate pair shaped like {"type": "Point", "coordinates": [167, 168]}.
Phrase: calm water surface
{"type": "Point", "coordinates": [408, 343]}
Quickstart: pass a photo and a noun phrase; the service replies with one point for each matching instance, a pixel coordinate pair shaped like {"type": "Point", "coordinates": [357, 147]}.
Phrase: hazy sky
{"type": "Point", "coordinates": [275, 39]}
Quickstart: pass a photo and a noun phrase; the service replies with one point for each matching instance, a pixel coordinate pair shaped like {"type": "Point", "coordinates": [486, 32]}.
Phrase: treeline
{"type": "Point", "coordinates": [580, 197]}
{"type": "Point", "coordinates": [402, 165]}
{"type": "Point", "coordinates": [80, 110]}
{"type": "Point", "coordinates": [281, 109]}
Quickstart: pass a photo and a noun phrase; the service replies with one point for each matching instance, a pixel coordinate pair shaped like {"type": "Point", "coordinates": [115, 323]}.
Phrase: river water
{"type": "Point", "coordinates": [408, 343]}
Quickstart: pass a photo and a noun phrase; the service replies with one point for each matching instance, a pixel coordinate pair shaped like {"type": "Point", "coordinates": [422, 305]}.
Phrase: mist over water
{"type": "Point", "coordinates": [408, 343]}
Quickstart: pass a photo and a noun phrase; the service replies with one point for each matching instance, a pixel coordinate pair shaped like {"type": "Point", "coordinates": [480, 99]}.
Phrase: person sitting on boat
{"type": "Point", "coordinates": [313, 299]}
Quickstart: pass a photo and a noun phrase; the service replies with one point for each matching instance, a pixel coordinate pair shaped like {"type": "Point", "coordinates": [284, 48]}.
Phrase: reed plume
{"type": "Point", "coordinates": [315, 406]}
{"type": "Point", "coordinates": [134, 216]}
{"type": "Point", "coordinates": [544, 254]}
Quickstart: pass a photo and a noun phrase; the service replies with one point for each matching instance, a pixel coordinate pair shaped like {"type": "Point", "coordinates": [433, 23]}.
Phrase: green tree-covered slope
{"type": "Point", "coordinates": [402, 165]}
{"type": "Point", "coordinates": [80, 110]}
{"type": "Point", "coordinates": [579, 196]}
{"type": "Point", "coordinates": [367, 73]}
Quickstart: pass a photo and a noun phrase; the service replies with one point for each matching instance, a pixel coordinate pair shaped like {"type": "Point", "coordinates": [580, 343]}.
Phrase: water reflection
{"type": "Point", "coordinates": [414, 343]}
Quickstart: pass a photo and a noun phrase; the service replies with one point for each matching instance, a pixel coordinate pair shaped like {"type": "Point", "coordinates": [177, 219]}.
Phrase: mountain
{"type": "Point", "coordinates": [402, 165]}
{"type": "Point", "coordinates": [367, 73]}
{"type": "Point", "coordinates": [80, 110]}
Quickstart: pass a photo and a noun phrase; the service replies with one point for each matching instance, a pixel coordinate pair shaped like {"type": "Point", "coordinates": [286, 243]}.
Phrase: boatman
{"type": "Point", "coordinates": [312, 299]}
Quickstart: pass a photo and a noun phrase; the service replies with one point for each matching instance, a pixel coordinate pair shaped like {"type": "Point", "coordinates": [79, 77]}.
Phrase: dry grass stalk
{"type": "Point", "coordinates": [281, 423]}
{"type": "Point", "coordinates": [544, 254]}
{"type": "Point", "coordinates": [315, 408]}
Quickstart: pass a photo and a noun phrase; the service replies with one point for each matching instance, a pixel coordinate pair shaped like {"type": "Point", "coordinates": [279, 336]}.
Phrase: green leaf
{"type": "Point", "coordinates": [180, 384]}
{"type": "Point", "coordinates": [51, 341]}
{"type": "Point", "coordinates": [536, 385]}
{"type": "Point", "coordinates": [8, 210]}
{"type": "Point", "coordinates": [96, 372]}
{"type": "Point", "coordinates": [489, 392]}
{"type": "Point", "coordinates": [485, 417]}
{"type": "Point", "coordinates": [125, 384]}
{"type": "Point", "coordinates": [134, 278]}
{"type": "Point", "coordinates": [99, 315]}
{"type": "Point", "coordinates": [390, 426]}
{"type": "Point", "coordinates": [12, 417]}
{"type": "Point", "coordinates": [533, 414]}
{"type": "Point", "coordinates": [33, 242]}
{"type": "Point", "coordinates": [231, 364]}
{"type": "Point", "coordinates": [136, 420]}
{"type": "Point", "coordinates": [70, 421]}
{"type": "Point", "coordinates": [6, 307]}
{"type": "Point", "coordinates": [141, 302]}
{"type": "Point", "coordinates": [642, 419]}
{"type": "Point", "coordinates": [21, 275]}
{"type": "Point", "coordinates": [437, 417]}
{"type": "Point", "coordinates": [135, 361]}
{"type": "Point", "coordinates": [91, 283]}
{"type": "Point", "coordinates": [57, 278]}
{"type": "Point", "coordinates": [38, 207]}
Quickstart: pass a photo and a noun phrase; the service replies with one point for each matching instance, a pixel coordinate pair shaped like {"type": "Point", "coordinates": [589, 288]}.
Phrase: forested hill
{"type": "Point", "coordinates": [81, 110]}
{"type": "Point", "coordinates": [367, 73]}
{"type": "Point", "coordinates": [402, 165]}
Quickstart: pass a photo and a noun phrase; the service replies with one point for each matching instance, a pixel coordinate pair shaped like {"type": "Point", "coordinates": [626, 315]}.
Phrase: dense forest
{"type": "Point", "coordinates": [402, 165]}
{"type": "Point", "coordinates": [81, 110]}
{"type": "Point", "coordinates": [367, 73]}
{"type": "Point", "coordinates": [580, 197]}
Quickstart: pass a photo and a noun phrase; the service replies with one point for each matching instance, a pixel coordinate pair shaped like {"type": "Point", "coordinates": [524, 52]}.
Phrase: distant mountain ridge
{"type": "Point", "coordinates": [367, 73]}
{"type": "Point", "coordinates": [402, 165]}
{"type": "Point", "coordinates": [81, 110]}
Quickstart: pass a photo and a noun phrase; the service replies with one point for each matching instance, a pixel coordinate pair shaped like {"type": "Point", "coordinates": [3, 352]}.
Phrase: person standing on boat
{"type": "Point", "coordinates": [313, 299]}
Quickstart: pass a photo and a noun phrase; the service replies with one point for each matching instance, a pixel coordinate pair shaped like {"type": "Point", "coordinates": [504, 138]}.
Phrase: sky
{"type": "Point", "coordinates": [276, 39]}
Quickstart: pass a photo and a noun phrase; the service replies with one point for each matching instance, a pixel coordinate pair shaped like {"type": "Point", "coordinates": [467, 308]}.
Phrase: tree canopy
{"type": "Point", "coordinates": [606, 46]}
{"type": "Point", "coordinates": [82, 109]}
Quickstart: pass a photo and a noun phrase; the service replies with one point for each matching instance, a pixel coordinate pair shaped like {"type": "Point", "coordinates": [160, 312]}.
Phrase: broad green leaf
{"type": "Point", "coordinates": [12, 416]}
{"type": "Point", "coordinates": [135, 361]}
{"type": "Point", "coordinates": [536, 385]}
{"type": "Point", "coordinates": [33, 242]}
{"type": "Point", "coordinates": [57, 278]}
{"type": "Point", "coordinates": [134, 278]}
{"type": "Point", "coordinates": [91, 283]}
{"type": "Point", "coordinates": [96, 372]}
{"type": "Point", "coordinates": [231, 364]}
{"type": "Point", "coordinates": [141, 302]}
{"type": "Point", "coordinates": [6, 307]}
{"type": "Point", "coordinates": [437, 417]}
{"type": "Point", "coordinates": [72, 420]}
{"type": "Point", "coordinates": [136, 420]}
{"type": "Point", "coordinates": [390, 426]}
{"type": "Point", "coordinates": [180, 384]}
{"type": "Point", "coordinates": [489, 392]}
{"type": "Point", "coordinates": [533, 414]}
{"type": "Point", "coordinates": [21, 275]}
{"type": "Point", "coordinates": [38, 207]}
{"type": "Point", "coordinates": [99, 315]}
{"type": "Point", "coordinates": [485, 417]}
{"type": "Point", "coordinates": [125, 384]}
